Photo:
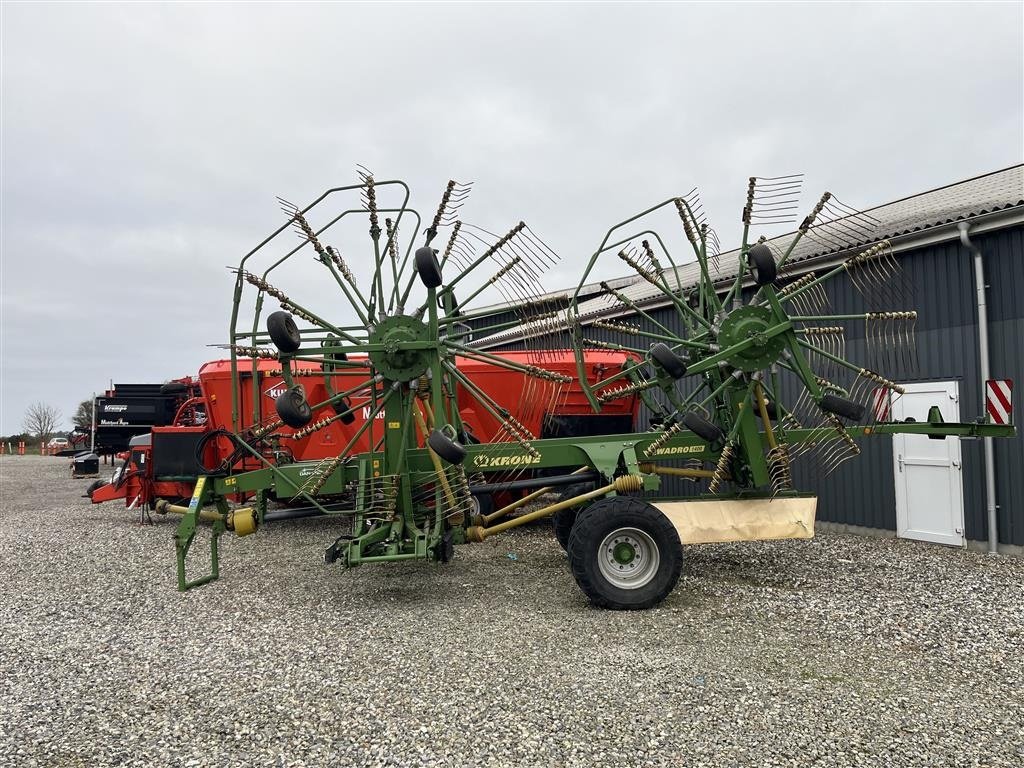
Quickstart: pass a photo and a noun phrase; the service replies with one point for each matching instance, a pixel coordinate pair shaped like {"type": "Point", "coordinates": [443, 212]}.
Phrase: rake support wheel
{"type": "Point", "coordinates": [293, 409]}
{"type": "Point", "coordinates": [428, 267]}
{"type": "Point", "coordinates": [762, 264]}
{"type": "Point", "coordinates": [283, 331]}
{"type": "Point", "coordinates": [840, 406]}
{"type": "Point", "coordinates": [704, 429]}
{"type": "Point", "coordinates": [446, 448]}
{"type": "Point", "coordinates": [673, 364]}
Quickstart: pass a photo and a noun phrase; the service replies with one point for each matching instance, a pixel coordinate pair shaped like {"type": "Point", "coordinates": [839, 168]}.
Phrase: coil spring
{"type": "Point", "coordinates": [264, 353]}
{"type": "Point", "coordinates": [891, 316]}
{"type": "Point", "coordinates": [628, 389]}
{"type": "Point", "coordinates": [687, 229]}
{"type": "Point", "coordinates": [445, 197]}
{"type": "Point", "coordinates": [721, 473]}
{"type": "Point", "coordinates": [620, 327]}
{"type": "Point", "coordinates": [309, 429]}
{"type": "Point", "coordinates": [779, 468]}
{"type": "Point", "coordinates": [823, 330]}
{"type": "Point", "coordinates": [663, 438]}
{"type": "Point", "coordinates": [650, 278]}
{"type": "Point", "coordinates": [809, 221]}
{"type": "Point", "coordinates": [797, 284]}
{"type": "Point", "coordinates": [870, 253]}
{"type": "Point", "coordinates": [324, 474]}
{"type": "Point", "coordinates": [341, 265]}
{"type": "Point", "coordinates": [371, 206]}
{"type": "Point", "coordinates": [266, 429]}
{"type": "Point", "coordinates": [451, 240]}
{"type": "Point", "coordinates": [748, 209]}
{"type": "Point", "coordinates": [872, 376]}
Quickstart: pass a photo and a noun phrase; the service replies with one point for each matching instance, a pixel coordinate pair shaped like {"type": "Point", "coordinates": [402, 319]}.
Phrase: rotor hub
{"type": "Point", "coordinates": [399, 359]}
{"type": "Point", "coordinates": [751, 323]}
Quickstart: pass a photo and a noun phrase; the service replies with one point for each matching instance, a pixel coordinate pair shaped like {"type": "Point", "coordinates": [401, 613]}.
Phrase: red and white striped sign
{"type": "Point", "coordinates": [882, 404]}
{"type": "Point", "coordinates": [998, 401]}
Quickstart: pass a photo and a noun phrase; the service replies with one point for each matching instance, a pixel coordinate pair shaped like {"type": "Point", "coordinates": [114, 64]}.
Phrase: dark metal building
{"type": "Point", "coordinates": [925, 234]}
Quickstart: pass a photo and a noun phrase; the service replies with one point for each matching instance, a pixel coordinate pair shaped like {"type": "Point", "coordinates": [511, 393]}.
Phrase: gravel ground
{"type": "Point", "coordinates": [840, 651]}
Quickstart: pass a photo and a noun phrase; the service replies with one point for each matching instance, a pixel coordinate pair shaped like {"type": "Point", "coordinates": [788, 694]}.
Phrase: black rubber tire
{"type": "Point", "coordinates": [483, 503]}
{"type": "Point", "coordinates": [283, 331]}
{"type": "Point", "coordinates": [762, 264]}
{"type": "Point", "coordinates": [173, 388]}
{"type": "Point", "coordinates": [293, 409]}
{"type": "Point", "coordinates": [601, 519]}
{"type": "Point", "coordinates": [674, 365]}
{"type": "Point", "coordinates": [704, 429]}
{"type": "Point", "coordinates": [95, 485]}
{"type": "Point", "coordinates": [840, 406]}
{"type": "Point", "coordinates": [341, 407]}
{"type": "Point", "coordinates": [428, 267]}
{"type": "Point", "coordinates": [562, 522]}
{"type": "Point", "coordinates": [446, 448]}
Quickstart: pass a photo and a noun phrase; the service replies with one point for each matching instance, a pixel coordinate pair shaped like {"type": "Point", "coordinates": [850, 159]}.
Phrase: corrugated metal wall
{"type": "Point", "coordinates": [861, 492]}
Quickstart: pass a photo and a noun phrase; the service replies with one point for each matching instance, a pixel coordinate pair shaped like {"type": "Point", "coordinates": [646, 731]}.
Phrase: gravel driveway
{"type": "Point", "coordinates": [840, 651]}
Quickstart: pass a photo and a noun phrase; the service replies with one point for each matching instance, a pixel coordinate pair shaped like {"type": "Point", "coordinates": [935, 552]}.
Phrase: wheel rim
{"type": "Point", "coordinates": [628, 558]}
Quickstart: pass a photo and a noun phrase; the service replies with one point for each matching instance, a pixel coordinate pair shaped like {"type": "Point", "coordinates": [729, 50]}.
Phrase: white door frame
{"type": "Point", "coordinates": [947, 397]}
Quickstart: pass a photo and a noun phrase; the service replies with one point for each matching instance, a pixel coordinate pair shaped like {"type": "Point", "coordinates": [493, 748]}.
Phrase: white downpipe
{"type": "Point", "coordinates": [990, 463]}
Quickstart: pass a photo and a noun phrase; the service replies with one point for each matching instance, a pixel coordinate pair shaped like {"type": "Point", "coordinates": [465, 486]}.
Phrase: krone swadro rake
{"type": "Point", "coordinates": [412, 479]}
{"type": "Point", "coordinates": [753, 365]}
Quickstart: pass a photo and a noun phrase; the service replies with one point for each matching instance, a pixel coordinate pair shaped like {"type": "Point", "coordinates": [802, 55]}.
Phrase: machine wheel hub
{"type": "Point", "coordinates": [396, 361]}
{"type": "Point", "coordinates": [751, 322]}
{"type": "Point", "coordinates": [628, 558]}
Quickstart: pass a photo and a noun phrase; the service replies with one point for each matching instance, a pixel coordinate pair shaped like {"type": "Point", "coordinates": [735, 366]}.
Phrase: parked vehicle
{"type": "Point", "coordinates": [165, 462]}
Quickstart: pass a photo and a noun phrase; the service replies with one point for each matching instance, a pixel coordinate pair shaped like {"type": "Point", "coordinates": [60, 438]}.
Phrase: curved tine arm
{"type": "Point", "coordinates": [604, 243]}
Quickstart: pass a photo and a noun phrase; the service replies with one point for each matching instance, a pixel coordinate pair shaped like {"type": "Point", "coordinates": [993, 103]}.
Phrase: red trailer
{"type": "Point", "coordinates": [165, 463]}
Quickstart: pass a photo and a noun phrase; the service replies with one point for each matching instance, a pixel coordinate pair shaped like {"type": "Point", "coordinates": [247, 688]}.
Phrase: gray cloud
{"type": "Point", "coordinates": [143, 145]}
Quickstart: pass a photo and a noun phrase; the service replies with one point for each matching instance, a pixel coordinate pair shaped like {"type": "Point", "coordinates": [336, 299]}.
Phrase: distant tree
{"type": "Point", "coordinates": [83, 416]}
{"type": "Point", "coordinates": [41, 420]}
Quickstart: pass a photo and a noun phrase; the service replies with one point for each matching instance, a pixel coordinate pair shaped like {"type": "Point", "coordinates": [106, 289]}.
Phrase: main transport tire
{"type": "Point", "coordinates": [624, 554]}
{"type": "Point", "coordinates": [283, 331]}
{"type": "Point", "coordinates": [562, 522]}
{"type": "Point", "coordinates": [446, 448]}
{"type": "Point", "coordinates": [762, 264]}
{"type": "Point", "coordinates": [427, 267]}
{"type": "Point", "coordinates": [293, 409]}
{"type": "Point", "coordinates": [704, 429]}
{"type": "Point", "coordinates": [669, 360]}
{"type": "Point", "coordinates": [840, 406]}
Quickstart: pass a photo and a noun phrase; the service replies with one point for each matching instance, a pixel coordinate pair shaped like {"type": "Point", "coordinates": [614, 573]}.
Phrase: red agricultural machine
{"type": "Point", "coordinates": [166, 462]}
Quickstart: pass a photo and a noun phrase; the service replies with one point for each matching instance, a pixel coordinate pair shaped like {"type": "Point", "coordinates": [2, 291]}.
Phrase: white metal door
{"type": "Point", "coordinates": [929, 482]}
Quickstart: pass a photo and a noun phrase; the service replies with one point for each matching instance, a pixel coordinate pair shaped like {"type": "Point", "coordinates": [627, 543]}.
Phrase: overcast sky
{"type": "Point", "coordinates": [144, 145]}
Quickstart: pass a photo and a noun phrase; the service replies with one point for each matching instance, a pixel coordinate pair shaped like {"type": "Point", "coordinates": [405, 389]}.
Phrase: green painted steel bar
{"type": "Point", "coordinates": [498, 360]}
{"type": "Point", "coordinates": [707, 283]}
{"type": "Point", "coordinates": [712, 361]}
{"type": "Point", "coordinates": [819, 351]}
{"type": "Point", "coordinates": [717, 390]}
{"type": "Point", "coordinates": [826, 318]}
{"type": "Point", "coordinates": [626, 301]}
{"type": "Point", "coordinates": [673, 339]}
{"type": "Point", "coordinates": [492, 407]}
{"type": "Point", "coordinates": [817, 281]}
{"type": "Point", "coordinates": [744, 247]}
{"type": "Point", "coordinates": [484, 330]}
{"type": "Point", "coordinates": [240, 281]}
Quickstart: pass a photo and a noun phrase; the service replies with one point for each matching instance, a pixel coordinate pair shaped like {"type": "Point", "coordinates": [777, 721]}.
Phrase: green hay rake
{"type": "Point", "coordinates": [415, 493]}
